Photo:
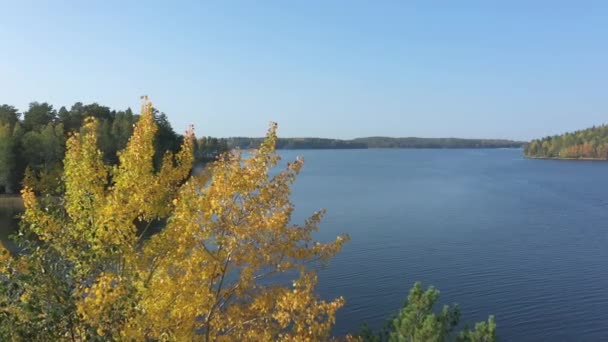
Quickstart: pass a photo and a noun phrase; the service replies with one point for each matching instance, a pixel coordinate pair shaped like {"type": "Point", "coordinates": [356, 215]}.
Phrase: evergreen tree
{"type": "Point", "coordinates": [9, 115]}
{"type": "Point", "coordinates": [7, 159]}
{"type": "Point", "coordinates": [38, 115]}
{"type": "Point", "coordinates": [418, 322]}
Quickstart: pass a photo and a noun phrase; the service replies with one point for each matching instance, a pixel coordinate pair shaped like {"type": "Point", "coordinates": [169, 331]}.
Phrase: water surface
{"type": "Point", "coordinates": [525, 240]}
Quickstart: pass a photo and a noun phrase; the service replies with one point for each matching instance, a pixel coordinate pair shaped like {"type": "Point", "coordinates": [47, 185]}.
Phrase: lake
{"type": "Point", "coordinates": [525, 240]}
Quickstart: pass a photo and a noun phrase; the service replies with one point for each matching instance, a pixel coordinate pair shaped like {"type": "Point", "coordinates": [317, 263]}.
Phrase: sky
{"type": "Point", "coordinates": [339, 69]}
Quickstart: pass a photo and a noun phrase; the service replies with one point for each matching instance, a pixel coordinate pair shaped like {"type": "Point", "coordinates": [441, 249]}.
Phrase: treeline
{"type": "Point", "coordinates": [296, 143]}
{"type": "Point", "coordinates": [412, 142]}
{"type": "Point", "coordinates": [207, 149]}
{"type": "Point", "coordinates": [591, 143]}
{"type": "Point", "coordinates": [32, 143]}
{"type": "Point", "coordinates": [376, 142]}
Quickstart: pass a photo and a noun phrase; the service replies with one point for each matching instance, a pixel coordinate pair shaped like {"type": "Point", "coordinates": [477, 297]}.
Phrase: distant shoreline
{"type": "Point", "coordinates": [376, 143]}
{"type": "Point", "coordinates": [567, 159]}
{"type": "Point", "coordinates": [398, 148]}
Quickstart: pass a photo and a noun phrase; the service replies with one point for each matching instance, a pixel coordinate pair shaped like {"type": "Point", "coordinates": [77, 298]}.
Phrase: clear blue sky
{"type": "Point", "coordinates": [342, 69]}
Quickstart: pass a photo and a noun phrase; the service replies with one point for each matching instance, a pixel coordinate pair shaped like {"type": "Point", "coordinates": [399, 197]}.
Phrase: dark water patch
{"type": "Point", "coordinates": [10, 209]}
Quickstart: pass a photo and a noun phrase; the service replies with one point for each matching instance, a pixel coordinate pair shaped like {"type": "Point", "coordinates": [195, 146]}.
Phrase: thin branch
{"type": "Point", "coordinates": [217, 295]}
{"type": "Point", "coordinates": [144, 231]}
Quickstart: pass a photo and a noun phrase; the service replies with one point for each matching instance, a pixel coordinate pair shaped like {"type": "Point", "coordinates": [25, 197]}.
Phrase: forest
{"type": "Point", "coordinates": [591, 143]}
{"type": "Point", "coordinates": [33, 143]}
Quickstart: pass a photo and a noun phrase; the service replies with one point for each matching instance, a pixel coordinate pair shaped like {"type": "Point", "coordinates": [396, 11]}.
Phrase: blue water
{"type": "Point", "coordinates": [524, 240]}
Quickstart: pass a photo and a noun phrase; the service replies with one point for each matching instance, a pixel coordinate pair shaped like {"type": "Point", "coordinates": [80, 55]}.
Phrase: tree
{"type": "Point", "coordinates": [42, 152]}
{"type": "Point", "coordinates": [114, 127]}
{"type": "Point", "coordinates": [97, 111]}
{"type": "Point", "coordinates": [118, 136]}
{"type": "Point", "coordinates": [589, 143]}
{"type": "Point", "coordinates": [38, 115]}
{"type": "Point", "coordinates": [7, 159]}
{"type": "Point", "coordinates": [209, 148]}
{"type": "Point", "coordinates": [72, 119]}
{"type": "Point", "coordinates": [90, 271]}
{"type": "Point", "coordinates": [417, 321]}
{"type": "Point", "coordinates": [43, 149]}
{"type": "Point", "coordinates": [106, 142]}
{"type": "Point", "coordinates": [166, 138]}
{"type": "Point", "coordinates": [9, 115]}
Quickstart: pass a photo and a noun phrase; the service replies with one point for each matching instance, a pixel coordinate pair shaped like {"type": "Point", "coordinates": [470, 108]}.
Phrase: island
{"type": "Point", "coordinates": [587, 144]}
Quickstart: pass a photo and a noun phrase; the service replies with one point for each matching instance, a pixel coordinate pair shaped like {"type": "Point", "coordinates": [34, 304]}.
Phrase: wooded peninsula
{"type": "Point", "coordinates": [587, 144]}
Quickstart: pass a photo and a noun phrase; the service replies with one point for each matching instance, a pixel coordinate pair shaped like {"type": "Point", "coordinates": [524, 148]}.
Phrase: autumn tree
{"type": "Point", "coordinates": [590, 143]}
{"type": "Point", "coordinates": [92, 271]}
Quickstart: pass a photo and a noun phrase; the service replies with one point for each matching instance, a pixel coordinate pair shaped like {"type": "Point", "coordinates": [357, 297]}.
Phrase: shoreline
{"type": "Point", "coordinates": [567, 159]}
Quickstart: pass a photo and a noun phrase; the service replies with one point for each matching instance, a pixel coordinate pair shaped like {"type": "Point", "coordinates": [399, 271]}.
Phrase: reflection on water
{"type": "Point", "coordinates": [10, 208]}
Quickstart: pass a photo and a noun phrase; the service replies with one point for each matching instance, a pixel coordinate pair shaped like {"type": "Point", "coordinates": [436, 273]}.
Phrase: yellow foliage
{"type": "Point", "coordinates": [207, 275]}
{"type": "Point", "coordinates": [5, 258]}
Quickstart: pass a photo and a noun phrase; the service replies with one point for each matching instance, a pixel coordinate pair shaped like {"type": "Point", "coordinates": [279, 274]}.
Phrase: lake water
{"type": "Point", "coordinates": [525, 240]}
